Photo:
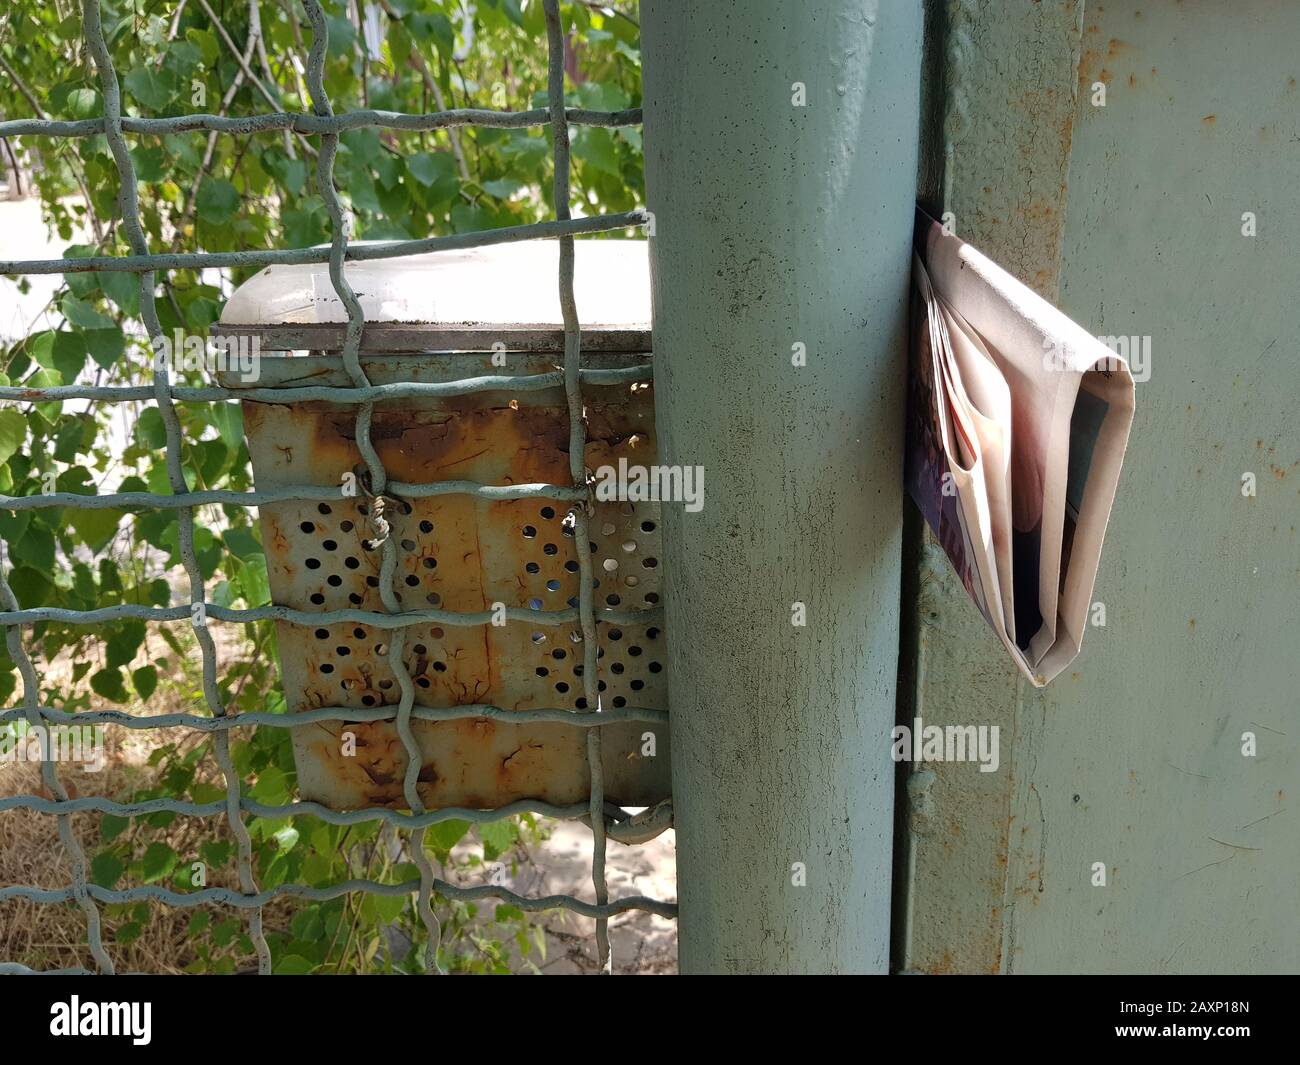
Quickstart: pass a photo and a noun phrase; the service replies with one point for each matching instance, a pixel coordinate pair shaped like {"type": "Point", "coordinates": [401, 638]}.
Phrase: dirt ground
{"type": "Point", "coordinates": [640, 943]}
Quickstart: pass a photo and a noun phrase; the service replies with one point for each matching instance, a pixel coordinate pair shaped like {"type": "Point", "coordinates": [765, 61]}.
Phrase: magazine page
{"type": "Point", "coordinates": [947, 472]}
{"type": "Point", "coordinates": [989, 401]}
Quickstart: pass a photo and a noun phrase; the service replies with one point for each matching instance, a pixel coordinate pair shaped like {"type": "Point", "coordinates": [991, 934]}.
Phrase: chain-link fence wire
{"type": "Point", "coordinates": [323, 123]}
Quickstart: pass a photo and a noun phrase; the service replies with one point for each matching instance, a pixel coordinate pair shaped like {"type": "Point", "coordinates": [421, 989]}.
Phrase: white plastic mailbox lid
{"type": "Point", "coordinates": [501, 285]}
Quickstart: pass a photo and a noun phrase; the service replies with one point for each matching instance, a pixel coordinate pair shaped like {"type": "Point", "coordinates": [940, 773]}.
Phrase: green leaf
{"type": "Point", "coordinates": [106, 869]}
{"type": "Point", "coordinates": [150, 166]}
{"type": "Point", "coordinates": [13, 431]}
{"type": "Point", "coordinates": [287, 838]}
{"type": "Point", "coordinates": [110, 577]}
{"type": "Point", "coordinates": [128, 933]}
{"type": "Point", "coordinates": [342, 35]}
{"type": "Point", "coordinates": [124, 643]}
{"type": "Point", "coordinates": [498, 837]}
{"type": "Point", "coordinates": [595, 147]}
{"type": "Point", "coordinates": [183, 57]}
{"type": "Point", "coordinates": [13, 524]}
{"type": "Point", "coordinates": [41, 348]}
{"type": "Point", "coordinates": [201, 792]}
{"type": "Point", "coordinates": [306, 225]}
{"type": "Point", "coordinates": [149, 87]}
{"type": "Point", "coordinates": [106, 346]}
{"type": "Point", "coordinates": [291, 173]}
{"type": "Point", "coordinates": [215, 852]}
{"type": "Point", "coordinates": [145, 681]}
{"type": "Point", "coordinates": [293, 965]}
{"type": "Point", "coordinates": [427, 167]}
{"type": "Point", "coordinates": [253, 583]}
{"type": "Point", "coordinates": [229, 421]}
{"type": "Point", "coordinates": [83, 103]}
{"type": "Point", "coordinates": [511, 8]}
{"type": "Point", "coordinates": [82, 314]}
{"type": "Point", "coordinates": [150, 431]}
{"type": "Point", "coordinates": [111, 826]}
{"type": "Point", "coordinates": [123, 289]}
{"type": "Point", "coordinates": [444, 835]}
{"type": "Point", "coordinates": [212, 456]}
{"type": "Point", "coordinates": [37, 547]}
{"type": "Point", "coordinates": [159, 860]}
{"type": "Point", "coordinates": [75, 435]}
{"type": "Point", "coordinates": [525, 151]}
{"type": "Point", "coordinates": [76, 479]}
{"type": "Point", "coordinates": [218, 201]}
{"type": "Point", "coordinates": [435, 27]}
{"type": "Point", "coordinates": [399, 42]}
{"type": "Point", "coordinates": [46, 379]}
{"type": "Point", "coordinates": [207, 44]}
{"type": "Point", "coordinates": [361, 190]}
{"type": "Point", "coordinates": [95, 527]}
{"type": "Point", "coordinates": [224, 932]}
{"type": "Point", "coordinates": [69, 354]}
{"type": "Point", "coordinates": [108, 684]}
{"type": "Point", "coordinates": [503, 188]}
{"type": "Point", "coordinates": [201, 313]}
{"type": "Point", "coordinates": [389, 907]}
{"type": "Point", "coordinates": [316, 868]}
{"type": "Point", "coordinates": [271, 787]}
{"type": "Point", "coordinates": [602, 96]}
{"type": "Point", "coordinates": [31, 586]}
{"type": "Point", "coordinates": [83, 583]}
{"type": "Point", "coordinates": [83, 286]}
{"type": "Point", "coordinates": [241, 542]}
{"type": "Point", "coordinates": [388, 168]}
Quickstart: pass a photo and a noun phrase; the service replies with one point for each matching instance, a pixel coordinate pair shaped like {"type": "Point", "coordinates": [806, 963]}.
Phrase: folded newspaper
{"type": "Point", "coordinates": [1017, 423]}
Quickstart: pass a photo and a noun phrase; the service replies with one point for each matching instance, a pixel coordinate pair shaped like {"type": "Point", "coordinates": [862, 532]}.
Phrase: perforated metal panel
{"type": "Point", "coordinates": [463, 554]}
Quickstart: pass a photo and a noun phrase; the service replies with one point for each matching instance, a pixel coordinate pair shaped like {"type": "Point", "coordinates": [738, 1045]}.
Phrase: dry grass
{"type": "Point", "coordinates": [46, 936]}
{"type": "Point", "coordinates": [51, 936]}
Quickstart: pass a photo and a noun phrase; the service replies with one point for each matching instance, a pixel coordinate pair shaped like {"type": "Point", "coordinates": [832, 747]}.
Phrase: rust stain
{"type": "Point", "coordinates": [1088, 61]}
{"type": "Point", "coordinates": [1209, 120]}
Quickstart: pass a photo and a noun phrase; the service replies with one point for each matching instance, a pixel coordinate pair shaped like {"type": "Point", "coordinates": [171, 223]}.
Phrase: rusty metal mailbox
{"type": "Point", "coordinates": [444, 317]}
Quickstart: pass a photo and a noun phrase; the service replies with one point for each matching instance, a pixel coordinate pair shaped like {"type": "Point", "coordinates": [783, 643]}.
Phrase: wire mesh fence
{"type": "Point", "coordinates": [325, 125]}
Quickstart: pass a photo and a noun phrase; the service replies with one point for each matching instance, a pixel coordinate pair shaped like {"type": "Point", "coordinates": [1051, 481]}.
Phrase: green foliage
{"type": "Point", "coordinates": [230, 193]}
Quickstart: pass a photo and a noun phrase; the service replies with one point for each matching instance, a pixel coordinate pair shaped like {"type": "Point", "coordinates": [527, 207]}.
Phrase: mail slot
{"type": "Point", "coordinates": [444, 317]}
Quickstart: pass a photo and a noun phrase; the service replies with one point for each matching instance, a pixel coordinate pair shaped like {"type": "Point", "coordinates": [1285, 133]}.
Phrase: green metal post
{"type": "Point", "coordinates": [781, 145]}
